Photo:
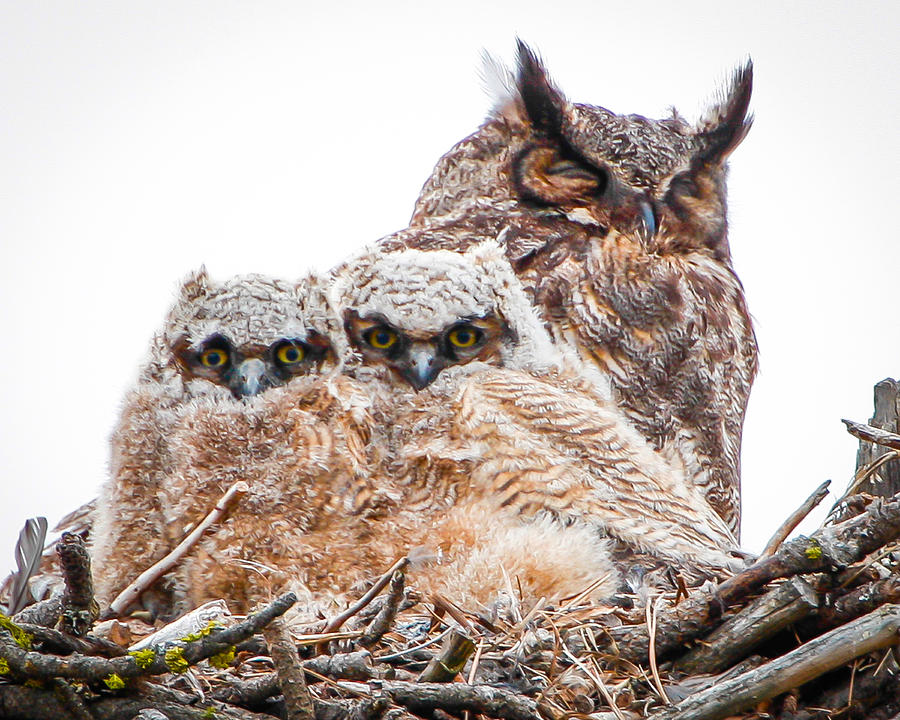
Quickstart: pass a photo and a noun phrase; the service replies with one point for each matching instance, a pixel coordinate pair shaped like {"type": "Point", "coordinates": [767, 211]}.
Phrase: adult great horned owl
{"type": "Point", "coordinates": [486, 412]}
{"type": "Point", "coordinates": [616, 225]}
{"type": "Point", "coordinates": [225, 341]}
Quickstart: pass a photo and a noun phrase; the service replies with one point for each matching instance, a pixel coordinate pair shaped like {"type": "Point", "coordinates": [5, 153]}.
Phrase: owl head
{"type": "Point", "coordinates": [419, 313]}
{"type": "Point", "coordinates": [542, 156]}
{"type": "Point", "coordinates": [244, 335]}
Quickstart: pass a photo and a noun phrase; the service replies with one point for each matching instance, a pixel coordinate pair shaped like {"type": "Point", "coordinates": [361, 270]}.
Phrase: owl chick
{"type": "Point", "coordinates": [491, 421]}
{"type": "Point", "coordinates": [224, 341]}
{"type": "Point", "coordinates": [307, 452]}
{"type": "Point", "coordinates": [331, 504]}
{"type": "Point", "coordinates": [616, 225]}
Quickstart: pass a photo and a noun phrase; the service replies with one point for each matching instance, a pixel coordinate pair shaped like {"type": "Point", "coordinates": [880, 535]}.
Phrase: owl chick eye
{"type": "Point", "coordinates": [381, 338]}
{"type": "Point", "coordinates": [290, 353]}
{"type": "Point", "coordinates": [214, 357]}
{"type": "Point", "coordinates": [464, 337]}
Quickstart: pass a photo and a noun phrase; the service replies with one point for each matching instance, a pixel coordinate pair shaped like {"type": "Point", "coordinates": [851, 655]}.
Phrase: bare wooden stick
{"type": "Point", "coordinates": [152, 574]}
{"type": "Point", "coordinates": [382, 621]}
{"type": "Point", "coordinates": [858, 602]}
{"type": "Point", "coordinates": [456, 697]}
{"type": "Point", "coordinates": [844, 507]}
{"type": "Point", "coordinates": [787, 527]}
{"type": "Point", "coordinates": [297, 701]}
{"type": "Point", "coordinates": [156, 662]}
{"type": "Point", "coordinates": [343, 666]}
{"type": "Point", "coordinates": [759, 621]}
{"type": "Point", "coordinates": [447, 664]}
{"type": "Point", "coordinates": [339, 620]}
{"type": "Point", "coordinates": [26, 703]}
{"type": "Point", "coordinates": [861, 431]}
{"type": "Point", "coordinates": [64, 644]}
{"type": "Point", "coordinates": [823, 654]}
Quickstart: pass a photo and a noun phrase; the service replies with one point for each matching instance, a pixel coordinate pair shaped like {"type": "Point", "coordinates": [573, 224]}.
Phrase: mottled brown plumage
{"type": "Point", "coordinates": [524, 429]}
{"type": "Point", "coordinates": [616, 225]}
{"type": "Point", "coordinates": [221, 341]}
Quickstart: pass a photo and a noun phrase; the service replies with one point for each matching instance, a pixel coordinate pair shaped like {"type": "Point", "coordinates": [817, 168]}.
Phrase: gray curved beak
{"type": "Point", "coordinates": [422, 367]}
{"type": "Point", "coordinates": [648, 219]}
{"type": "Point", "coordinates": [251, 375]}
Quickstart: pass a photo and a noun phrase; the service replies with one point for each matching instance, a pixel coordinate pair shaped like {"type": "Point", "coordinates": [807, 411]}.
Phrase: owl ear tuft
{"type": "Point", "coordinates": [727, 122]}
{"type": "Point", "coordinates": [543, 103]}
{"type": "Point", "coordinates": [195, 285]}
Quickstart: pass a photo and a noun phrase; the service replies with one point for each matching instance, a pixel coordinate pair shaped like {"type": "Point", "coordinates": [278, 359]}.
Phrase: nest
{"type": "Point", "coordinates": [808, 630]}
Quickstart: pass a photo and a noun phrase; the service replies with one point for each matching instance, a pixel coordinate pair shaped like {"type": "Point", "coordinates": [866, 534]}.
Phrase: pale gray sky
{"type": "Point", "coordinates": [141, 139]}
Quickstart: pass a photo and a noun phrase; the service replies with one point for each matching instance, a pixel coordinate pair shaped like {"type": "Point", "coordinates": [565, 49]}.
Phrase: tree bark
{"type": "Point", "coordinates": [886, 480]}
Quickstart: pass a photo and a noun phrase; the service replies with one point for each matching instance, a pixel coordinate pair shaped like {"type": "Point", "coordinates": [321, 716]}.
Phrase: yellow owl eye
{"type": "Point", "coordinates": [290, 353]}
{"type": "Point", "coordinates": [464, 337]}
{"type": "Point", "coordinates": [214, 357]}
{"type": "Point", "coordinates": [380, 337]}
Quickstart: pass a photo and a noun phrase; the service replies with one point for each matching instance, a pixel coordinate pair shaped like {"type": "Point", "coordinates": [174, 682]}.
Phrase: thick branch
{"type": "Point", "coordinates": [343, 666]}
{"type": "Point", "coordinates": [458, 697]}
{"type": "Point", "coordinates": [829, 547]}
{"type": "Point", "coordinates": [861, 431]}
{"type": "Point", "coordinates": [24, 703]}
{"type": "Point", "coordinates": [79, 610]}
{"type": "Point", "coordinates": [759, 621]}
{"type": "Point", "coordinates": [298, 703]}
{"type": "Point", "coordinates": [63, 644]}
{"type": "Point", "coordinates": [45, 613]}
{"type": "Point", "coordinates": [823, 654]}
{"type": "Point", "coordinates": [860, 601]}
{"type": "Point", "coordinates": [34, 664]}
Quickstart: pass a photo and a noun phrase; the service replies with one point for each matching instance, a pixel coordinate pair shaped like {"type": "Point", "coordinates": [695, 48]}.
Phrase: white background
{"type": "Point", "coordinates": [141, 139]}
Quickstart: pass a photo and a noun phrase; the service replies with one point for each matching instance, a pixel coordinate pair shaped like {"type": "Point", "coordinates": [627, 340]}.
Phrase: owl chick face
{"type": "Point", "coordinates": [246, 334]}
{"type": "Point", "coordinates": [251, 368]}
{"type": "Point", "coordinates": [418, 356]}
{"type": "Point", "coordinates": [421, 312]}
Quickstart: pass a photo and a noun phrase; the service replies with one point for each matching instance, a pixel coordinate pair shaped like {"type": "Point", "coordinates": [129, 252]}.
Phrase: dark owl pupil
{"type": "Point", "coordinates": [382, 337]}
{"type": "Point", "coordinates": [463, 337]}
{"type": "Point", "coordinates": [214, 358]}
{"type": "Point", "coordinates": [291, 354]}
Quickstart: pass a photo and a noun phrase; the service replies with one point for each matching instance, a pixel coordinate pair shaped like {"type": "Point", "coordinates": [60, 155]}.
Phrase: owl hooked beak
{"type": "Point", "coordinates": [421, 366]}
{"type": "Point", "coordinates": [250, 378]}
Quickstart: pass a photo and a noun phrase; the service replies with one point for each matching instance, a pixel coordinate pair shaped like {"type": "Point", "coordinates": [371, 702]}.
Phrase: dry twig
{"type": "Point", "coordinates": [382, 621]}
{"type": "Point", "coordinates": [787, 527]}
{"type": "Point", "coordinates": [337, 621]}
{"type": "Point", "coordinates": [153, 573]}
